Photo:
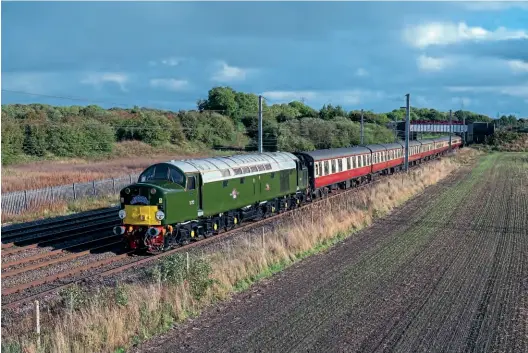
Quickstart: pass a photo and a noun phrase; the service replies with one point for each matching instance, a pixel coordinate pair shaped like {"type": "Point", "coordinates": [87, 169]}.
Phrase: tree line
{"type": "Point", "coordinates": [225, 118]}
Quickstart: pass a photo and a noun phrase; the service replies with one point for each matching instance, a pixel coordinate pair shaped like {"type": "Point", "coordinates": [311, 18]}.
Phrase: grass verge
{"type": "Point", "coordinates": [114, 318]}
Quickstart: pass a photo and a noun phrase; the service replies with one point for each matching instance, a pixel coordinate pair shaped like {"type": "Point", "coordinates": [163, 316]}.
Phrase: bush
{"type": "Point", "coordinates": [12, 140]}
{"type": "Point", "coordinates": [36, 142]}
{"type": "Point", "coordinates": [172, 269]}
{"type": "Point", "coordinates": [80, 138]}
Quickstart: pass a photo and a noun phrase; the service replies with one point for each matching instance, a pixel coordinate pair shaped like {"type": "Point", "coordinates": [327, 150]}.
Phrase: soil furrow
{"type": "Point", "coordinates": [447, 272]}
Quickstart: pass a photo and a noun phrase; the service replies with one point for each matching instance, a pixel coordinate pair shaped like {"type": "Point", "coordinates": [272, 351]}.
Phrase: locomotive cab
{"type": "Point", "coordinates": [148, 206]}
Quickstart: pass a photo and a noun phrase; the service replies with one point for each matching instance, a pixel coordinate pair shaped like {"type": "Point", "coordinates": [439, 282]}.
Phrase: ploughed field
{"type": "Point", "coordinates": [446, 272]}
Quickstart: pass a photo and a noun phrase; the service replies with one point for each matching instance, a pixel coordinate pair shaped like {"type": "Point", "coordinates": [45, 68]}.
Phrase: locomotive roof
{"type": "Point", "coordinates": [220, 168]}
{"type": "Point", "coordinates": [336, 152]}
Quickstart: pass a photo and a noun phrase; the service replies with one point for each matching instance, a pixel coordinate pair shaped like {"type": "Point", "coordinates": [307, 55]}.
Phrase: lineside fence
{"type": "Point", "coordinates": [18, 202]}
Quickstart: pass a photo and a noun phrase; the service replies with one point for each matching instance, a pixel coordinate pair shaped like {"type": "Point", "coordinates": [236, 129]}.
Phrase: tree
{"type": "Point", "coordinates": [221, 100]}
{"type": "Point", "coordinates": [304, 110]}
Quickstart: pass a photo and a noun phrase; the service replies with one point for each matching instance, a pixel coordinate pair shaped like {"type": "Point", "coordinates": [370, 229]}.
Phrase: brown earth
{"type": "Point", "coordinates": [447, 272]}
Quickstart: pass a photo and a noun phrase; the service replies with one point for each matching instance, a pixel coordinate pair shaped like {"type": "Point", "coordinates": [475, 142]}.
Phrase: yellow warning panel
{"type": "Point", "coordinates": [141, 215]}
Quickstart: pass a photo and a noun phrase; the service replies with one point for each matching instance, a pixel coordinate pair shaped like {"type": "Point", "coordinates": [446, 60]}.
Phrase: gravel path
{"type": "Point", "coordinates": [447, 272]}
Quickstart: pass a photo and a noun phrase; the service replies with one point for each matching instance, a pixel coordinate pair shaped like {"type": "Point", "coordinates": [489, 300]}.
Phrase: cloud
{"type": "Point", "coordinates": [463, 101]}
{"type": "Point", "coordinates": [348, 97]}
{"type": "Point", "coordinates": [443, 33]}
{"type": "Point", "coordinates": [170, 84]}
{"type": "Point", "coordinates": [361, 72]}
{"type": "Point", "coordinates": [289, 95]}
{"type": "Point", "coordinates": [518, 65]}
{"type": "Point", "coordinates": [226, 73]}
{"type": "Point", "coordinates": [99, 78]}
{"type": "Point", "coordinates": [520, 91]}
{"type": "Point", "coordinates": [428, 63]}
{"type": "Point", "coordinates": [172, 61]}
{"type": "Point", "coordinates": [30, 82]}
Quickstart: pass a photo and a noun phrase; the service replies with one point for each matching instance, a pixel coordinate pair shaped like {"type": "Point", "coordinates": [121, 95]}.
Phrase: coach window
{"type": "Point", "coordinates": [333, 166]}
{"type": "Point", "coordinates": [224, 184]}
{"type": "Point", "coordinates": [191, 183]}
{"type": "Point", "coordinates": [326, 167]}
{"type": "Point", "coordinates": [316, 169]}
{"type": "Point", "coordinates": [340, 164]}
{"type": "Point", "coordinates": [242, 180]}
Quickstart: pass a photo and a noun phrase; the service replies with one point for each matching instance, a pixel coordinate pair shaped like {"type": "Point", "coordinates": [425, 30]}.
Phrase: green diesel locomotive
{"type": "Point", "coordinates": [176, 201]}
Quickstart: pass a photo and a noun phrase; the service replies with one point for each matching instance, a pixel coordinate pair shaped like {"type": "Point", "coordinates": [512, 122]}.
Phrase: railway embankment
{"type": "Point", "coordinates": [177, 288]}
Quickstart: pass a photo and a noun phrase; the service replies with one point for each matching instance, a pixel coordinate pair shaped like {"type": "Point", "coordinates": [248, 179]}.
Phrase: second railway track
{"type": "Point", "coordinates": [16, 237]}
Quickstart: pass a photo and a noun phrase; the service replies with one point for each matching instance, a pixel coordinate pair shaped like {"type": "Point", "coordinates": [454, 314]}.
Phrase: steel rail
{"type": "Point", "coordinates": [50, 262]}
{"type": "Point", "coordinates": [55, 221]}
{"type": "Point", "coordinates": [40, 234]}
{"type": "Point", "coordinates": [52, 253]}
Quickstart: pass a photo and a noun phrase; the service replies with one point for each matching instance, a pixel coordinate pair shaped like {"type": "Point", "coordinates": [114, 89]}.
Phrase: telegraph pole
{"type": "Point", "coordinates": [465, 128]}
{"type": "Point", "coordinates": [450, 127]}
{"type": "Point", "coordinates": [361, 131]}
{"type": "Point", "coordinates": [260, 125]}
{"type": "Point", "coordinates": [407, 129]}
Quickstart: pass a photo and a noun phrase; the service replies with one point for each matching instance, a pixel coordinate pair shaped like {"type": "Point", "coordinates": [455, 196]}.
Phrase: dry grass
{"type": "Point", "coordinates": [128, 157]}
{"type": "Point", "coordinates": [106, 325]}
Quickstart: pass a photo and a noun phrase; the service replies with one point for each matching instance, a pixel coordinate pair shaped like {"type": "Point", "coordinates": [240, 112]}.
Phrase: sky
{"type": "Point", "coordinates": [167, 55]}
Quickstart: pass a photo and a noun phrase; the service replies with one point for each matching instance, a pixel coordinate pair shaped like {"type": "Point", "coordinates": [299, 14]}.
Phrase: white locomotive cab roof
{"type": "Point", "coordinates": [223, 168]}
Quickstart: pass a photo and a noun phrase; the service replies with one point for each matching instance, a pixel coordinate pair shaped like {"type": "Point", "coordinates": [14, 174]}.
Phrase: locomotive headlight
{"type": "Point", "coordinates": [127, 191]}
{"type": "Point", "coordinates": [160, 215]}
{"type": "Point", "coordinates": [122, 214]}
{"type": "Point", "coordinates": [152, 191]}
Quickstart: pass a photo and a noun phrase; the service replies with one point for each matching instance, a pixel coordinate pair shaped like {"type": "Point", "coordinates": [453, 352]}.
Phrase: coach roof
{"type": "Point", "coordinates": [336, 152]}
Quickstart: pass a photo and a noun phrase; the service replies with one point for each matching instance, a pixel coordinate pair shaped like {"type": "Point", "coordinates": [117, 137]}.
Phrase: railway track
{"type": "Point", "coordinates": [132, 261]}
{"type": "Point", "coordinates": [101, 266]}
{"type": "Point", "coordinates": [17, 237]}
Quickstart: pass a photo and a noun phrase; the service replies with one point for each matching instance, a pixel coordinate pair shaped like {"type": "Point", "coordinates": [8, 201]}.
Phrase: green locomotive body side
{"type": "Point", "coordinates": [187, 190]}
{"type": "Point", "coordinates": [230, 194]}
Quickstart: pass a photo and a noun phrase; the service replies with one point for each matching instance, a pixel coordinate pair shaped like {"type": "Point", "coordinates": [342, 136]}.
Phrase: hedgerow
{"type": "Point", "coordinates": [226, 118]}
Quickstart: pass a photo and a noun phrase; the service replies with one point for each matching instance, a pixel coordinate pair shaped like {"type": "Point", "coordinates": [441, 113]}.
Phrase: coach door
{"type": "Point", "coordinates": [284, 180]}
